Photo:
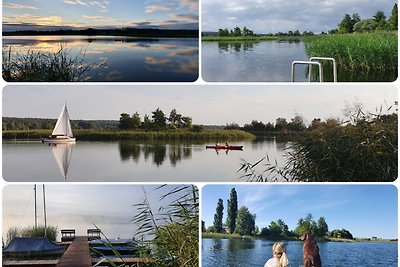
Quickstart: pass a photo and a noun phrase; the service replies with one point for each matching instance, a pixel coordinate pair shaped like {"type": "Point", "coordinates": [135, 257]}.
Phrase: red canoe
{"type": "Point", "coordinates": [226, 147]}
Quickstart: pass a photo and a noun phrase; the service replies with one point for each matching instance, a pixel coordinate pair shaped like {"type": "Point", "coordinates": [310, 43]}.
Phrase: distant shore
{"type": "Point", "coordinates": [237, 236]}
{"type": "Point", "coordinates": [128, 32]}
{"type": "Point", "coordinates": [113, 135]}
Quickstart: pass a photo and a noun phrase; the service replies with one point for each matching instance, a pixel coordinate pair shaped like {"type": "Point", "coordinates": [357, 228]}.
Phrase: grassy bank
{"type": "Point", "coordinates": [174, 135]}
{"type": "Point", "coordinates": [368, 51]}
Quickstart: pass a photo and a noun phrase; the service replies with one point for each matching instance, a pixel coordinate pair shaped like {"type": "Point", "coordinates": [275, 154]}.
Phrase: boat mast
{"type": "Point", "coordinates": [45, 216]}
{"type": "Point", "coordinates": [34, 189]}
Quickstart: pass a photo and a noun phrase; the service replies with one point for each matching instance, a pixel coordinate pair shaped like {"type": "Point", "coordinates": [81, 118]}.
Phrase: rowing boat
{"type": "Point", "coordinates": [226, 147]}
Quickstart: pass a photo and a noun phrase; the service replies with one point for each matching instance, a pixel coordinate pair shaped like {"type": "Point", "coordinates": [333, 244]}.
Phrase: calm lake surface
{"type": "Point", "coordinates": [269, 61]}
{"type": "Point", "coordinates": [121, 59]}
{"type": "Point", "coordinates": [247, 252]}
{"type": "Point", "coordinates": [131, 162]}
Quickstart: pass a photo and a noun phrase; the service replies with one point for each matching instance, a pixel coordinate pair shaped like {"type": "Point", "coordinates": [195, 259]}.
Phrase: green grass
{"type": "Point", "coordinates": [368, 51]}
{"type": "Point", "coordinates": [174, 135]}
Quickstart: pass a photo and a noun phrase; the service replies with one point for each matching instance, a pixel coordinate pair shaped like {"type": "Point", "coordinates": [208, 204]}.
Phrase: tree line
{"type": "Point", "coordinates": [235, 32]}
{"type": "Point", "coordinates": [12, 123]}
{"type": "Point", "coordinates": [158, 121]}
{"type": "Point", "coordinates": [150, 32]}
{"type": "Point", "coordinates": [296, 124]}
{"type": "Point", "coordinates": [241, 221]}
{"type": "Point", "coordinates": [379, 22]}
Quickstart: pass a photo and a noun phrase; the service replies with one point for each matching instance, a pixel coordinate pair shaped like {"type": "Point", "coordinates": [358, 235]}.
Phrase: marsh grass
{"type": "Point", "coordinates": [45, 67]}
{"type": "Point", "coordinates": [169, 135]}
{"type": "Point", "coordinates": [362, 149]}
{"type": "Point", "coordinates": [175, 227]}
{"type": "Point", "coordinates": [367, 51]}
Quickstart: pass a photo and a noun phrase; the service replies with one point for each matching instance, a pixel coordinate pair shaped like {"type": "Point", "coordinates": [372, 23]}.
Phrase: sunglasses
{"type": "Point", "coordinates": [278, 253]}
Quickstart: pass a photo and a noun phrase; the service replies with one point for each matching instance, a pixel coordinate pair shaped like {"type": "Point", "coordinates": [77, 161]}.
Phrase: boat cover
{"type": "Point", "coordinates": [31, 245]}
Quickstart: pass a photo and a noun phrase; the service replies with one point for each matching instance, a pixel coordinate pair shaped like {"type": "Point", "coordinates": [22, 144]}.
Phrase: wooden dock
{"type": "Point", "coordinates": [77, 254]}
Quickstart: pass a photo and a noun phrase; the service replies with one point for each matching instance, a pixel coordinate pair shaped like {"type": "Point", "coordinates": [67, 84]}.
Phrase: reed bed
{"type": "Point", "coordinates": [177, 135]}
{"type": "Point", "coordinates": [368, 51]}
{"type": "Point", "coordinates": [36, 66]}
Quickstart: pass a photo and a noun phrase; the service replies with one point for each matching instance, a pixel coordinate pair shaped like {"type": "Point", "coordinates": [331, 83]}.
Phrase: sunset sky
{"type": "Point", "coordinates": [29, 14]}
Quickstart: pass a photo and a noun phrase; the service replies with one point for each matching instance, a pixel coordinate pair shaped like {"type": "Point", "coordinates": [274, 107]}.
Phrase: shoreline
{"type": "Point", "coordinates": [115, 135]}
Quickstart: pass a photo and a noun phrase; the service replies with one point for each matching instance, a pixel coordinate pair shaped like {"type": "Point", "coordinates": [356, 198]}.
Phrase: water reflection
{"type": "Point", "coordinates": [62, 154]}
{"type": "Point", "coordinates": [270, 61]}
{"type": "Point", "coordinates": [157, 153]}
{"type": "Point", "coordinates": [118, 58]}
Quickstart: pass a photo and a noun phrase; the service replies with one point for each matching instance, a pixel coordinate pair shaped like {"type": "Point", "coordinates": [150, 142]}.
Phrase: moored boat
{"type": "Point", "coordinates": [62, 132]}
{"type": "Point", "coordinates": [229, 147]}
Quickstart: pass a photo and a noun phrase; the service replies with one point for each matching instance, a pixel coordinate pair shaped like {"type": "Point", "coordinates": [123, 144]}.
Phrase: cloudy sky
{"type": "Point", "coordinates": [201, 102]}
{"type": "Point", "coordinates": [271, 16]}
{"type": "Point", "coordinates": [79, 207]}
{"type": "Point", "coordinates": [357, 208]}
{"type": "Point", "coordinates": [29, 14]}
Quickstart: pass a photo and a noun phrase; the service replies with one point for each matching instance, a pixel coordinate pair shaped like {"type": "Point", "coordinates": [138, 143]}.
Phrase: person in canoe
{"type": "Point", "coordinates": [226, 144]}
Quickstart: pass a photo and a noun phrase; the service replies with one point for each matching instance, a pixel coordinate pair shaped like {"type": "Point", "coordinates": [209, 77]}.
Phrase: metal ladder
{"type": "Point", "coordinates": [315, 61]}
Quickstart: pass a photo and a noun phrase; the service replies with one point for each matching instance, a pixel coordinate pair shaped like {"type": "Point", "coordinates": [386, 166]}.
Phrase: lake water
{"type": "Point", "coordinates": [247, 252]}
{"type": "Point", "coordinates": [270, 61]}
{"type": "Point", "coordinates": [131, 162]}
{"type": "Point", "coordinates": [121, 59]}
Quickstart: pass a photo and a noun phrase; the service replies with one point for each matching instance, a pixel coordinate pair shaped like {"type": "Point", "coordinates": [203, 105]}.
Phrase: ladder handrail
{"type": "Point", "coordinates": [334, 66]}
{"type": "Point", "coordinates": [309, 63]}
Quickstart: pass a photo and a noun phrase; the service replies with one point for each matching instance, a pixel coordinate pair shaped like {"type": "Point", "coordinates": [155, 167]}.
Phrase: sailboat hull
{"type": "Point", "coordinates": [59, 140]}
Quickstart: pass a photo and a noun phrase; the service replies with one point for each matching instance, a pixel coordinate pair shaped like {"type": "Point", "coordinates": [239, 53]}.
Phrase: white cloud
{"type": "Point", "coordinates": [265, 16]}
{"type": "Point", "coordinates": [17, 6]}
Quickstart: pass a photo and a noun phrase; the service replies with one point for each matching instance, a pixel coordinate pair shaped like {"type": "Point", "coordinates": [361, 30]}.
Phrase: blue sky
{"type": "Point", "coordinates": [364, 210]}
{"type": "Point", "coordinates": [25, 14]}
{"type": "Point", "coordinates": [246, 102]}
{"type": "Point", "coordinates": [110, 207]}
{"type": "Point", "coordinates": [271, 16]}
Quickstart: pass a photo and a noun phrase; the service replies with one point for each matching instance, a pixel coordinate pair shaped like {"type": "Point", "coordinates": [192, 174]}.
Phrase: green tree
{"type": "Point", "coordinates": [147, 124]}
{"type": "Point", "coordinates": [393, 19]}
{"type": "Point", "coordinates": [159, 119]}
{"type": "Point", "coordinates": [322, 227]}
{"type": "Point", "coordinates": [136, 122]}
{"type": "Point", "coordinates": [187, 122]}
{"type": "Point", "coordinates": [125, 121]}
{"type": "Point", "coordinates": [297, 124]}
{"type": "Point", "coordinates": [237, 31]}
{"type": "Point", "coordinates": [380, 18]}
{"type": "Point", "coordinates": [245, 221]}
{"type": "Point", "coordinates": [219, 213]}
{"type": "Point", "coordinates": [343, 233]}
{"type": "Point", "coordinates": [175, 119]}
{"type": "Point", "coordinates": [223, 32]}
{"type": "Point", "coordinates": [366, 25]}
{"type": "Point", "coordinates": [346, 25]}
{"type": "Point", "coordinates": [232, 210]}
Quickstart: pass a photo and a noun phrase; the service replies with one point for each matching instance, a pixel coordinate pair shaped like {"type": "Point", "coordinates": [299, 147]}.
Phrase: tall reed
{"type": "Point", "coordinates": [367, 51]}
{"type": "Point", "coordinates": [44, 67]}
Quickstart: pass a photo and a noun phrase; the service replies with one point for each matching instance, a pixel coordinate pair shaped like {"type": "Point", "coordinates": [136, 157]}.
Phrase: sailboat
{"type": "Point", "coordinates": [62, 132]}
{"type": "Point", "coordinates": [23, 247]}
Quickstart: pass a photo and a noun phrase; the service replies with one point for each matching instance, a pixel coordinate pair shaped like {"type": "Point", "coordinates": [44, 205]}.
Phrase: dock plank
{"type": "Point", "coordinates": [77, 254]}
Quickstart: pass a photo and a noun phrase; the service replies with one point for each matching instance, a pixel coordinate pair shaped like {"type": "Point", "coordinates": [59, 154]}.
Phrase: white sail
{"type": "Point", "coordinates": [62, 154]}
{"type": "Point", "coordinates": [63, 125]}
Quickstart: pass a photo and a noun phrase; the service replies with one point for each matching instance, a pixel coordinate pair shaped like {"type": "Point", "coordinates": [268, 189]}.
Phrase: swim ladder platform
{"type": "Point", "coordinates": [316, 62]}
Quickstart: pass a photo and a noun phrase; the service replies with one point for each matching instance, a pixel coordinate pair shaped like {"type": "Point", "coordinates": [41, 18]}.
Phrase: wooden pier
{"type": "Point", "coordinates": [77, 254]}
